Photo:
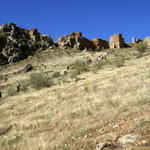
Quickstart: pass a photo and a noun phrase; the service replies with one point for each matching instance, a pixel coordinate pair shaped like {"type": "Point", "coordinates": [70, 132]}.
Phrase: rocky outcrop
{"type": "Point", "coordinates": [17, 43]}
{"type": "Point", "coordinates": [43, 41]}
{"type": "Point", "coordinates": [100, 44]}
{"type": "Point", "coordinates": [116, 41]}
{"type": "Point", "coordinates": [75, 40]}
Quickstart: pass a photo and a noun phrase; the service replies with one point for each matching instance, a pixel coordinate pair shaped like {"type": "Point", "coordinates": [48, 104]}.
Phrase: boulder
{"type": "Point", "coordinates": [17, 43]}
{"type": "Point", "coordinates": [28, 68]}
{"type": "Point", "coordinates": [129, 139]}
{"type": "Point", "coordinates": [105, 145]}
{"type": "Point", "coordinates": [116, 41]}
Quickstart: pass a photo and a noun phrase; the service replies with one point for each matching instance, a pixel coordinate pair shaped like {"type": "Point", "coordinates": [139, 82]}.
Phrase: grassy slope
{"type": "Point", "coordinates": [77, 115]}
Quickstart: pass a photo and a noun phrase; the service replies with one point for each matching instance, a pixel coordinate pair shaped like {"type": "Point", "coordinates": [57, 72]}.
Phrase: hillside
{"type": "Point", "coordinates": [103, 104]}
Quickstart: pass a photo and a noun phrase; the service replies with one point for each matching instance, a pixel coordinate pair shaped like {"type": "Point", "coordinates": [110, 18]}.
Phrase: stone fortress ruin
{"type": "Point", "coordinates": [17, 43]}
{"type": "Point", "coordinates": [116, 41]}
{"type": "Point", "coordinates": [77, 41]}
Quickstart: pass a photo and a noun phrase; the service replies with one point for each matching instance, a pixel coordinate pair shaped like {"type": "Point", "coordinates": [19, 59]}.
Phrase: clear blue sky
{"type": "Point", "coordinates": [95, 18]}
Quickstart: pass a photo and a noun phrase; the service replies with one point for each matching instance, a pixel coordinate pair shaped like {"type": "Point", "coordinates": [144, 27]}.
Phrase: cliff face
{"type": "Point", "coordinates": [17, 43]}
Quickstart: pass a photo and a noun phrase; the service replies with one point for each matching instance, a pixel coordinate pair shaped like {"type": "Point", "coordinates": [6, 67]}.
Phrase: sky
{"type": "Point", "coordinates": [94, 18]}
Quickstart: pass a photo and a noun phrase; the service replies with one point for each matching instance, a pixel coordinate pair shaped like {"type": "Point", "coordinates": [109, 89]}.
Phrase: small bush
{"type": "Point", "coordinates": [11, 91]}
{"type": "Point", "coordinates": [80, 66]}
{"type": "Point", "coordinates": [118, 63]}
{"type": "Point", "coordinates": [141, 47]}
{"type": "Point", "coordinates": [1, 77]}
{"type": "Point", "coordinates": [24, 85]}
{"type": "Point", "coordinates": [98, 65]}
{"type": "Point", "coordinates": [40, 80]}
{"type": "Point", "coordinates": [116, 60]}
{"type": "Point", "coordinates": [56, 75]}
{"type": "Point", "coordinates": [86, 88]}
{"type": "Point", "coordinates": [64, 79]}
{"type": "Point", "coordinates": [73, 75]}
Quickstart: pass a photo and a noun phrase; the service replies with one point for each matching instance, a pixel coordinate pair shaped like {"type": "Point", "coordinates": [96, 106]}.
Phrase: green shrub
{"type": "Point", "coordinates": [56, 75]}
{"type": "Point", "coordinates": [40, 80]}
{"type": "Point", "coordinates": [80, 66]}
{"type": "Point", "coordinates": [73, 74]}
{"type": "Point", "coordinates": [64, 79]}
{"type": "Point", "coordinates": [24, 85]}
{"type": "Point", "coordinates": [141, 47]}
{"type": "Point", "coordinates": [98, 65]}
{"type": "Point", "coordinates": [11, 91]}
{"type": "Point", "coordinates": [1, 77]}
{"type": "Point", "coordinates": [118, 63]}
{"type": "Point", "coordinates": [86, 88]}
{"type": "Point", "coordinates": [116, 60]}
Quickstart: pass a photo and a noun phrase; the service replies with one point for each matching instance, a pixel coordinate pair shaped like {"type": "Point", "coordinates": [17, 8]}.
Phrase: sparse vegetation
{"type": "Point", "coordinates": [55, 75]}
{"type": "Point", "coordinates": [11, 91]}
{"type": "Point", "coordinates": [1, 77]}
{"type": "Point", "coordinates": [116, 60]}
{"type": "Point", "coordinates": [86, 88]}
{"type": "Point", "coordinates": [140, 48]}
{"type": "Point", "coordinates": [101, 107]}
{"type": "Point", "coordinates": [80, 66]}
{"type": "Point", "coordinates": [24, 85]}
{"type": "Point", "coordinates": [40, 80]}
{"type": "Point", "coordinates": [98, 64]}
{"type": "Point", "coordinates": [73, 74]}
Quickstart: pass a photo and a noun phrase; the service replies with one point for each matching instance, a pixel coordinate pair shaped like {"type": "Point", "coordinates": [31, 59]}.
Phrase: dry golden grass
{"type": "Point", "coordinates": [77, 115]}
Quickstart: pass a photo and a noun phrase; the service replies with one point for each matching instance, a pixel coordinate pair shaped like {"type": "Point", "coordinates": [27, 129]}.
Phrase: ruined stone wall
{"type": "Point", "coordinates": [86, 44]}
{"type": "Point", "coordinates": [100, 44]}
{"type": "Point", "coordinates": [75, 40]}
{"type": "Point", "coordinates": [116, 41]}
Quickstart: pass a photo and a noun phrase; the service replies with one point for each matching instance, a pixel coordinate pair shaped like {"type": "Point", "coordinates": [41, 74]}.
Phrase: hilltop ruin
{"type": "Point", "coordinates": [17, 43]}
{"type": "Point", "coordinates": [116, 41]}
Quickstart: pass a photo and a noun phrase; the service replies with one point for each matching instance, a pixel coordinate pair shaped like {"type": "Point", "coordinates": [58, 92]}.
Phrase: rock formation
{"type": "Point", "coordinates": [116, 41]}
{"type": "Point", "coordinates": [75, 40]}
{"type": "Point", "coordinates": [17, 43]}
{"type": "Point", "coordinates": [100, 44]}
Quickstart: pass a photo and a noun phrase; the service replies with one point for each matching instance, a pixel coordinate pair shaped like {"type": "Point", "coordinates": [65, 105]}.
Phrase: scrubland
{"type": "Point", "coordinates": [72, 101]}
